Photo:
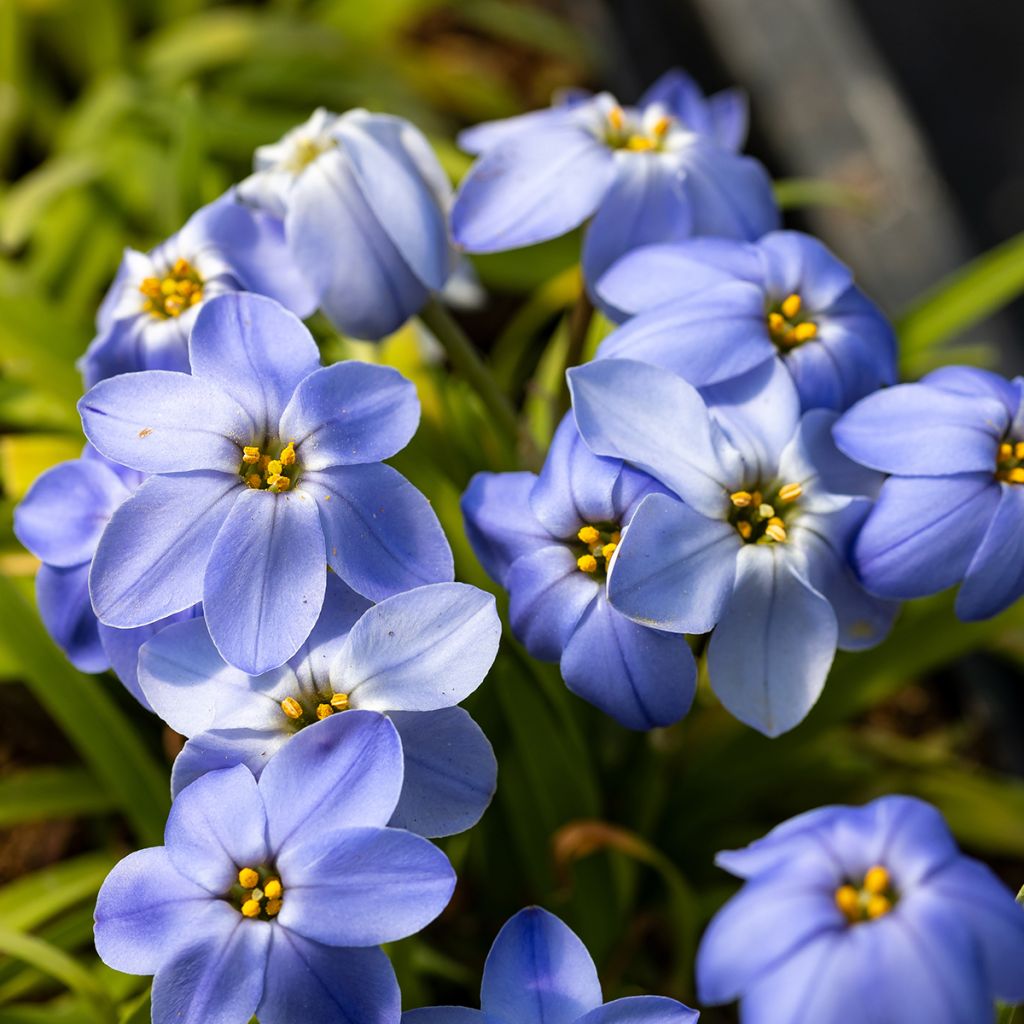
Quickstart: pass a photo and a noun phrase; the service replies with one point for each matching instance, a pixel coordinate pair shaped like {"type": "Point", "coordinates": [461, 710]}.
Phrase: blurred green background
{"type": "Point", "coordinates": [117, 119]}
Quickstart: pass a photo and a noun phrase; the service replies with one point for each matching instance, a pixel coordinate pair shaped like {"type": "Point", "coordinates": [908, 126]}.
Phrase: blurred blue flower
{"type": "Point", "coordinates": [538, 972]}
{"type": "Point", "coordinates": [268, 898]}
{"type": "Point", "coordinates": [751, 539]}
{"type": "Point", "coordinates": [548, 541]}
{"type": "Point", "coordinates": [60, 521]}
{"type": "Point", "coordinates": [364, 204]}
{"type": "Point", "coordinates": [863, 913]}
{"type": "Point", "coordinates": [662, 171]}
{"type": "Point", "coordinates": [712, 309]}
{"type": "Point", "coordinates": [266, 470]}
{"type": "Point", "coordinates": [952, 509]}
{"type": "Point", "coordinates": [148, 312]}
{"type": "Point", "coordinates": [413, 656]}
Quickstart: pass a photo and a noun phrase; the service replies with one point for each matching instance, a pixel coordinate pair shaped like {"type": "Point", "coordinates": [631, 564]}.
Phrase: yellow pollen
{"type": "Point", "coordinates": [776, 324]}
{"type": "Point", "coordinates": [741, 499]}
{"type": "Point", "coordinates": [745, 529]}
{"type": "Point", "coordinates": [172, 294]}
{"type": "Point", "coordinates": [339, 701]}
{"type": "Point", "coordinates": [586, 563]}
{"type": "Point", "coordinates": [776, 531]}
{"type": "Point", "coordinates": [274, 907]}
{"type": "Point", "coordinates": [877, 880]}
{"type": "Point", "coordinates": [274, 467]}
{"type": "Point", "coordinates": [1018, 450]}
{"type": "Point", "coordinates": [765, 511]}
{"type": "Point", "coordinates": [662, 125]}
{"type": "Point", "coordinates": [291, 707]}
{"type": "Point", "coordinates": [878, 906]}
{"type": "Point", "coordinates": [278, 483]}
{"type": "Point", "coordinates": [288, 454]}
{"type": "Point", "coordinates": [616, 118]}
{"type": "Point", "coordinates": [608, 550]}
{"type": "Point", "coordinates": [248, 879]}
{"type": "Point", "coordinates": [251, 908]}
{"type": "Point", "coordinates": [273, 889]}
{"type": "Point", "coordinates": [150, 287]}
{"type": "Point", "coordinates": [805, 331]}
{"type": "Point", "coordinates": [254, 480]}
{"type": "Point", "coordinates": [848, 901]}
{"type": "Point", "coordinates": [791, 306]}
{"type": "Point", "coordinates": [588, 535]}
{"type": "Point", "coordinates": [168, 286]}
{"type": "Point", "coordinates": [250, 454]}
{"type": "Point", "coordinates": [324, 711]}
{"type": "Point", "coordinates": [640, 144]}
{"type": "Point", "coordinates": [1005, 451]}
{"type": "Point", "coordinates": [1016, 476]}
{"type": "Point", "coordinates": [790, 492]}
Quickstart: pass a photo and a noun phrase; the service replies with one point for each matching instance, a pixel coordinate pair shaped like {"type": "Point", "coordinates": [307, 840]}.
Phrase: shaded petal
{"type": "Point", "coordinates": [972, 380]}
{"type": "Point", "coordinates": [357, 753]}
{"type": "Point", "coordinates": [62, 596]}
{"type": "Point", "coordinates": [143, 910]}
{"type": "Point", "coordinates": [152, 555]}
{"type": "Point", "coordinates": [217, 749]}
{"type": "Point", "coordinates": [216, 827]}
{"type": "Point", "coordinates": [499, 522]}
{"type": "Point", "coordinates": [818, 374]}
{"type": "Point", "coordinates": [682, 96]}
{"type": "Point", "coordinates": [426, 649]}
{"type": "Point", "coordinates": [641, 1010]}
{"type": "Point", "coordinates": [447, 1014]}
{"type": "Point", "coordinates": [363, 886]}
{"type": "Point", "coordinates": [253, 350]}
{"type": "Point", "coordinates": [531, 187]}
{"type": "Point", "coordinates": [350, 413]}
{"type": "Point", "coordinates": [641, 677]}
{"type": "Point", "coordinates": [265, 580]}
{"type": "Point", "coordinates": [730, 115]}
{"type": "Point", "coordinates": [164, 422]}
{"type": "Point", "coordinates": [796, 263]}
{"type": "Point", "coordinates": [674, 568]}
{"type": "Point", "coordinates": [488, 134]}
{"type": "Point", "coordinates": [769, 656]}
{"type": "Point", "coordinates": [916, 430]}
{"type": "Point", "coordinates": [382, 535]}
{"type": "Point", "coordinates": [654, 421]}
{"type": "Point", "coordinates": [538, 972]}
{"type": "Point", "coordinates": [450, 772]}
{"type": "Point", "coordinates": [308, 981]}
{"type": "Point", "coordinates": [995, 575]}
{"type": "Point", "coordinates": [923, 533]}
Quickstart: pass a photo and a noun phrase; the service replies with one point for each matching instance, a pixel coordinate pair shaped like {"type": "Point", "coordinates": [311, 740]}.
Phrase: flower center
{"type": "Point", "coordinates": [305, 151]}
{"type": "Point", "coordinates": [322, 707]}
{"type": "Point", "coordinates": [760, 518]}
{"type": "Point", "coordinates": [872, 899]}
{"type": "Point", "coordinates": [1010, 463]}
{"type": "Point", "coordinates": [626, 131]}
{"type": "Point", "coordinates": [258, 894]}
{"type": "Point", "coordinates": [171, 295]}
{"type": "Point", "coordinates": [264, 473]}
{"type": "Point", "coordinates": [788, 324]}
{"type": "Point", "coordinates": [595, 546]}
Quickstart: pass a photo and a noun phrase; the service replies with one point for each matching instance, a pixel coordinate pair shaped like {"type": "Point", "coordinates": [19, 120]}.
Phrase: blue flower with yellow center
{"type": "Point", "coordinates": [268, 898]}
{"type": "Point", "coordinates": [266, 469]}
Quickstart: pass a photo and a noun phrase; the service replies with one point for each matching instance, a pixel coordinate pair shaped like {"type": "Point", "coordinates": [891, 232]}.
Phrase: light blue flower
{"type": "Point", "coordinates": [148, 312]}
{"type": "Point", "coordinates": [662, 171]}
{"type": "Point", "coordinates": [364, 204]}
{"type": "Point", "coordinates": [548, 541]}
{"type": "Point", "coordinates": [538, 972]}
{"type": "Point", "coordinates": [863, 913]}
{"type": "Point", "coordinates": [952, 510]}
{"type": "Point", "coordinates": [414, 656]}
{"type": "Point", "coordinates": [268, 898]}
{"type": "Point", "coordinates": [712, 309]}
{"type": "Point", "coordinates": [266, 470]}
{"type": "Point", "coordinates": [752, 539]}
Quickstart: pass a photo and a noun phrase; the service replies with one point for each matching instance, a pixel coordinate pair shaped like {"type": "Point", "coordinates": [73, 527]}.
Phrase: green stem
{"type": "Point", "coordinates": [580, 317]}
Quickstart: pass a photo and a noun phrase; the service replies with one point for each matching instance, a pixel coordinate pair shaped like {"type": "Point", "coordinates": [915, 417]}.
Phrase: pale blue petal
{"type": "Point", "coordinates": [447, 1014]}
{"type": "Point", "coordinates": [795, 263]}
{"type": "Point", "coordinates": [641, 1010]}
{"type": "Point", "coordinates": [682, 96]}
{"type": "Point", "coordinates": [995, 576]}
{"type": "Point", "coordinates": [730, 115]}
{"type": "Point", "coordinates": [488, 134]}
{"type": "Point", "coordinates": [225, 748]}
{"type": "Point", "coordinates": [62, 596]}
{"type": "Point", "coordinates": [973, 381]}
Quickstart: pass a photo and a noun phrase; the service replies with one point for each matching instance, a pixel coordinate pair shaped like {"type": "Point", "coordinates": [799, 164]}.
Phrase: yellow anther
{"type": "Point", "coordinates": [324, 711]}
{"type": "Point", "coordinates": [588, 535]}
{"type": "Point", "coordinates": [168, 286]}
{"type": "Point", "coordinates": [151, 287]}
{"type": "Point", "coordinates": [182, 267]}
{"type": "Point", "coordinates": [339, 701]}
{"type": "Point", "coordinates": [848, 901]}
{"type": "Point", "coordinates": [254, 480]}
{"type": "Point", "coordinates": [776, 323]}
{"type": "Point", "coordinates": [662, 125]}
{"type": "Point", "coordinates": [250, 908]}
{"type": "Point", "coordinates": [765, 511]}
{"type": "Point", "coordinates": [273, 889]}
{"type": "Point", "coordinates": [616, 536]}
{"type": "Point", "coordinates": [804, 332]}
{"type": "Point", "coordinates": [248, 879]}
{"type": "Point", "coordinates": [291, 707]}
{"type": "Point", "coordinates": [608, 550]}
{"type": "Point", "coordinates": [1016, 476]}
{"type": "Point", "coordinates": [586, 563]}
{"type": "Point", "coordinates": [745, 529]}
{"type": "Point", "coordinates": [878, 906]}
{"type": "Point", "coordinates": [776, 532]}
{"type": "Point", "coordinates": [616, 118]}
{"type": "Point", "coordinates": [1018, 450]}
{"type": "Point", "coordinates": [250, 454]}
{"type": "Point", "coordinates": [877, 880]}
{"type": "Point", "coordinates": [274, 467]}
{"type": "Point", "coordinates": [641, 144]}
{"type": "Point", "coordinates": [741, 499]}
{"type": "Point", "coordinates": [790, 492]}
{"type": "Point", "coordinates": [274, 907]}
{"type": "Point", "coordinates": [791, 306]}
{"type": "Point", "coordinates": [1005, 451]}
{"type": "Point", "coordinates": [288, 454]}
{"type": "Point", "coordinates": [257, 895]}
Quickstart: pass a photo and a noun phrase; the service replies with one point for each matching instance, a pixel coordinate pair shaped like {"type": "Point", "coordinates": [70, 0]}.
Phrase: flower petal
{"type": "Point", "coordinates": [641, 1010]}
{"type": "Point", "coordinates": [446, 1014]}
{"type": "Point", "coordinates": [995, 576]}
{"type": "Point", "coordinates": [62, 596]}
{"type": "Point", "coordinates": [150, 560]}
{"type": "Point", "coordinates": [350, 413]}
{"type": "Point", "coordinates": [769, 656]}
{"type": "Point", "coordinates": [363, 886]}
{"type": "Point", "coordinates": [538, 972]}
{"type": "Point", "coordinates": [730, 116]}
{"type": "Point", "coordinates": [164, 422]}
{"type": "Point", "coordinates": [218, 749]}
{"type": "Point", "coordinates": [426, 649]}
{"type": "Point", "coordinates": [382, 535]}
{"type": "Point", "coordinates": [450, 772]}
{"type": "Point", "coordinates": [796, 263]}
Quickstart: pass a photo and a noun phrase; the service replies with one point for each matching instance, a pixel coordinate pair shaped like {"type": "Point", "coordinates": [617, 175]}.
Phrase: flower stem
{"type": "Point", "coordinates": [580, 317]}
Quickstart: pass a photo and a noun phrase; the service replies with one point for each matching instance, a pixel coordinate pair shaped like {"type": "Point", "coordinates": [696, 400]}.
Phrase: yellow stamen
{"type": "Point", "coordinates": [339, 701]}
{"type": "Point", "coordinates": [848, 901]}
{"type": "Point", "coordinates": [150, 287]}
{"type": "Point", "coordinates": [745, 529]}
{"type": "Point", "coordinates": [765, 511]}
{"type": "Point", "coordinates": [248, 879]}
{"type": "Point", "coordinates": [878, 906]}
{"type": "Point", "coordinates": [291, 707]}
{"type": "Point", "coordinates": [182, 267]}
{"type": "Point", "coordinates": [791, 306]}
{"type": "Point", "coordinates": [1005, 451]}
{"type": "Point", "coordinates": [288, 454]}
{"type": "Point", "coordinates": [588, 535]}
{"type": "Point", "coordinates": [616, 118]}
{"type": "Point", "coordinates": [790, 492]}
{"type": "Point", "coordinates": [250, 908]}
{"type": "Point", "coordinates": [250, 454]}
{"type": "Point", "coordinates": [776, 323]}
{"type": "Point", "coordinates": [274, 907]}
{"type": "Point", "coordinates": [608, 550]}
{"type": "Point", "coordinates": [776, 532]}
{"type": "Point", "coordinates": [741, 499]}
{"type": "Point", "coordinates": [273, 889]}
{"type": "Point", "coordinates": [804, 332]}
{"type": "Point", "coordinates": [276, 482]}
{"type": "Point", "coordinates": [662, 125]}
{"type": "Point", "coordinates": [254, 480]}
{"type": "Point", "coordinates": [1016, 476]}
{"type": "Point", "coordinates": [877, 881]}
{"type": "Point", "coordinates": [324, 711]}
{"type": "Point", "coordinates": [1018, 450]}
{"type": "Point", "coordinates": [168, 286]}
{"type": "Point", "coordinates": [274, 467]}
{"type": "Point", "coordinates": [586, 563]}
{"type": "Point", "coordinates": [640, 144]}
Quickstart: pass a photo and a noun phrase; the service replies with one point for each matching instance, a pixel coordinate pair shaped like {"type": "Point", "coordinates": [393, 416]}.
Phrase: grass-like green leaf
{"type": "Point", "coordinates": [42, 793]}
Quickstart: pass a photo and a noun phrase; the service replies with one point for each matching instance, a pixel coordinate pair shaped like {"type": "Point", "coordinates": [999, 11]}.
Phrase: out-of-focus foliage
{"type": "Point", "coordinates": [117, 119]}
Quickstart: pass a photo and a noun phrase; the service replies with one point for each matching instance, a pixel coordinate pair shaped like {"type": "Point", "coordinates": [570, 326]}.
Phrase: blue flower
{"type": "Point", "coordinates": [751, 539]}
{"type": "Point", "coordinates": [413, 656]}
{"type": "Point", "coordinates": [60, 521]}
{"type": "Point", "coordinates": [146, 316]}
{"type": "Point", "coordinates": [538, 972]}
{"type": "Point", "coordinates": [863, 913]}
{"type": "Point", "coordinates": [712, 309]}
{"type": "Point", "coordinates": [548, 541]}
{"type": "Point", "coordinates": [266, 470]}
{"type": "Point", "coordinates": [951, 512]}
{"type": "Point", "coordinates": [364, 204]}
{"type": "Point", "coordinates": [658, 172]}
{"type": "Point", "coordinates": [268, 898]}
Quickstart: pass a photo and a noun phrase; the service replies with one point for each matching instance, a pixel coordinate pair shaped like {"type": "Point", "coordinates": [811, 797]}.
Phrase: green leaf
{"type": "Point", "coordinates": [31, 900]}
{"type": "Point", "coordinates": [42, 793]}
{"type": "Point", "coordinates": [800, 193]}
